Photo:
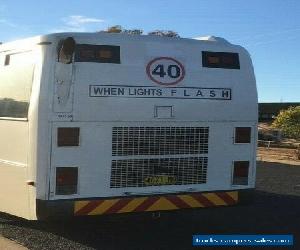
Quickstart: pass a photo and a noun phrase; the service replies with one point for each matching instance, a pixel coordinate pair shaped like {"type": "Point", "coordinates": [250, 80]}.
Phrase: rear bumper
{"type": "Point", "coordinates": [118, 205]}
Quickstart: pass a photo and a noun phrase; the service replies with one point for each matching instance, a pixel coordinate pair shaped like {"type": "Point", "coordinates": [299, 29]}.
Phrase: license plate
{"type": "Point", "coordinates": [160, 180]}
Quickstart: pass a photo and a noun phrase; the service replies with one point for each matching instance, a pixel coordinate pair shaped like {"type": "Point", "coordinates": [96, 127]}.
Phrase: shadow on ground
{"type": "Point", "coordinates": [269, 214]}
{"type": "Point", "coordinates": [275, 210]}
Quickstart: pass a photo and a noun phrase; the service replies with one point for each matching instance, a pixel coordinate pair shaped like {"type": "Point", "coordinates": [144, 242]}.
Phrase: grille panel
{"type": "Point", "coordinates": [128, 141]}
{"type": "Point", "coordinates": [135, 172]}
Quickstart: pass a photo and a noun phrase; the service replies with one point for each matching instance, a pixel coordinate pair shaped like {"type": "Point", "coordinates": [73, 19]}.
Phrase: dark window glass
{"type": "Point", "coordinates": [15, 85]}
{"type": "Point", "coordinates": [66, 50]}
{"type": "Point", "coordinates": [67, 137]}
{"type": "Point", "coordinates": [66, 180]}
{"type": "Point", "coordinates": [240, 173]}
{"type": "Point", "coordinates": [7, 60]}
{"type": "Point", "coordinates": [242, 134]}
{"type": "Point", "coordinates": [223, 60]}
{"type": "Point", "coordinates": [97, 53]}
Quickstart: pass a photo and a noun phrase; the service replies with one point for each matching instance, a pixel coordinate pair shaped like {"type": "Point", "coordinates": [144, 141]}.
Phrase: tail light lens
{"type": "Point", "coordinates": [240, 173]}
{"type": "Point", "coordinates": [66, 180]}
{"type": "Point", "coordinates": [67, 137]}
{"type": "Point", "coordinates": [242, 135]}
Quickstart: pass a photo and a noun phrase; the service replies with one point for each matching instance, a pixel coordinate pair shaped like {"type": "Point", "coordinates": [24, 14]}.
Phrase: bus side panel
{"type": "Point", "coordinates": [39, 156]}
{"type": "Point", "coordinates": [14, 148]}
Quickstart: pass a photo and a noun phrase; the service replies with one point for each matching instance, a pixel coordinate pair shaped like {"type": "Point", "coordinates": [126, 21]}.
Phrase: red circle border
{"type": "Point", "coordinates": [165, 58]}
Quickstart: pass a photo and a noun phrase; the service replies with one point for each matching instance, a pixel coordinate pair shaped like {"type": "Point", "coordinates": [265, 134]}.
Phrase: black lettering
{"type": "Point", "coordinates": [171, 72]}
{"type": "Point", "coordinates": [106, 91]}
{"type": "Point", "coordinates": [153, 92]}
{"type": "Point", "coordinates": [98, 90]}
{"type": "Point", "coordinates": [185, 94]}
{"type": "Point", "coordinates": [159, 70]}
{"type": "Point", "coordinates": [103, 91]}
{"type": "Point", "coordinates": [140, 92]}
{"type": "Point", "coordinates": [159, 92]}
{"type": "Point", "coordinates": [173, 91]}
{"type": "Point", "coordinates": [149, 92]}
{"type": "Point", "coordinates": [225, 94]}
{"type": "Point", "coordinates": [121, 91]}
{"type": "Point", "coordinates": [212, 93]}
{"type": "Point", "coordinates": [131, 91]}
{"type": "Point", "coordinates": [113, 91]}
{"type": "Point", "coordinates": [199, 93]}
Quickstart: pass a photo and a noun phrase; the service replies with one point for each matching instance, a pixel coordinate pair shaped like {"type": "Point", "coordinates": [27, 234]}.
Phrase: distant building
{"type": "Point", "coordinates": [268, 111]}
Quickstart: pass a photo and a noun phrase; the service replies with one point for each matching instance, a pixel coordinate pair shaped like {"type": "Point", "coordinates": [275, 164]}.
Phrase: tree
{"type": "Point", "coordinates": [167, 33]}
{"type": "Point", "coordinates": [120, 29]}
{"type": "Point", "coordinates": [133, 32]}
{"type": "Point", "coordinates": [289, 122]}
{"type": "Point", "coordinates": [114, 29]}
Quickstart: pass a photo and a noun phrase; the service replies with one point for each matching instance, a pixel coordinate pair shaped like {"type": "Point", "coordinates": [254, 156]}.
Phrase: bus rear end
{"type": "Point", "coordinates": [143, 123]}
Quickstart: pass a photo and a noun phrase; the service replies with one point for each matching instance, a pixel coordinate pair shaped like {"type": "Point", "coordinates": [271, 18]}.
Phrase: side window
{"type": "Point", "coordinates": [16, 75]}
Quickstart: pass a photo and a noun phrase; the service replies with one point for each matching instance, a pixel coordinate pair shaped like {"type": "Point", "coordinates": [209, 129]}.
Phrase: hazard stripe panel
{"type": "Point", "coordinates": [154, 203]}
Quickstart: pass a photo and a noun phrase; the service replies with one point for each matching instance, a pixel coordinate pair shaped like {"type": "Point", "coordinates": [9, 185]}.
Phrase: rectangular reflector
{"type": "Point", "coordinates": [66, 180]}
{"type": "Point", "coordinates": [242, 135]}
{"type": "Point", "coordinates": [67, 137]}
{"type": "Point", "coordinates": [240, 173]}
{"type": "Point", "coordinates": [225, 60]}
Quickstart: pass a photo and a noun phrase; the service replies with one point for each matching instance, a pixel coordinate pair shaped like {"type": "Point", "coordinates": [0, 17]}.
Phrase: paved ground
{"type": "Point", "coordinates": [276, 210]}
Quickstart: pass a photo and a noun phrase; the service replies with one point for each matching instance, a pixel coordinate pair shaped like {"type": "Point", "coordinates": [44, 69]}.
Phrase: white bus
{"type": "Point", "coordinates": [99, 123]}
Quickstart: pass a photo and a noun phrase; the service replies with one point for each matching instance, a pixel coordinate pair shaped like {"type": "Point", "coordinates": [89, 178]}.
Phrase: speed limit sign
{"type": "Point", "coordinates": [165, 71]}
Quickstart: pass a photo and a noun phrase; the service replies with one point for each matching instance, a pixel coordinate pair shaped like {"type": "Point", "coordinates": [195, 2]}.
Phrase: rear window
{"type": "Point", "coordinates": [225, 60]}
{"type": "Point", "coordinates": [97, 53]}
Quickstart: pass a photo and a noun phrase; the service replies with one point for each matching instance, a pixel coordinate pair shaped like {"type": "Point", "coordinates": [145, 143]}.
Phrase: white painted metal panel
{"type": "Point", "coordinates": [94, 156]}
{"type": "Point", "coordinates": [13, 167]}
{"type": "Point", "coordinates": [96, 115]}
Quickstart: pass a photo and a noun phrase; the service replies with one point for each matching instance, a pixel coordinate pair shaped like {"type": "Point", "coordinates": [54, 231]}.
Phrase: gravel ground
{"type": "Point", "coordinates": [276, 210]}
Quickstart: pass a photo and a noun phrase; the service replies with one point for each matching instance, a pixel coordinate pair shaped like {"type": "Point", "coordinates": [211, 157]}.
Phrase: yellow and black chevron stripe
{"type": "Point", "coordinates": [154, 203]}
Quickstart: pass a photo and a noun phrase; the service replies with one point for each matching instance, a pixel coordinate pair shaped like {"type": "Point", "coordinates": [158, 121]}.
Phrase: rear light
{"type": "Point", "coordinates": [67, 137]}
{"type": "Point", "coordinates": [225, 60]}
{"type": "Point", "coordinates": [242, 135]}
{"type": "Point", "coordinates": [66, 180]}
{"type": "Point", "coordinates": [240, 173]}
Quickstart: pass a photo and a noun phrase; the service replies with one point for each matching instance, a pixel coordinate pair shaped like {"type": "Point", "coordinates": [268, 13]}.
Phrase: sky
{"type": "Point", "coordinates": [268, 29]}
